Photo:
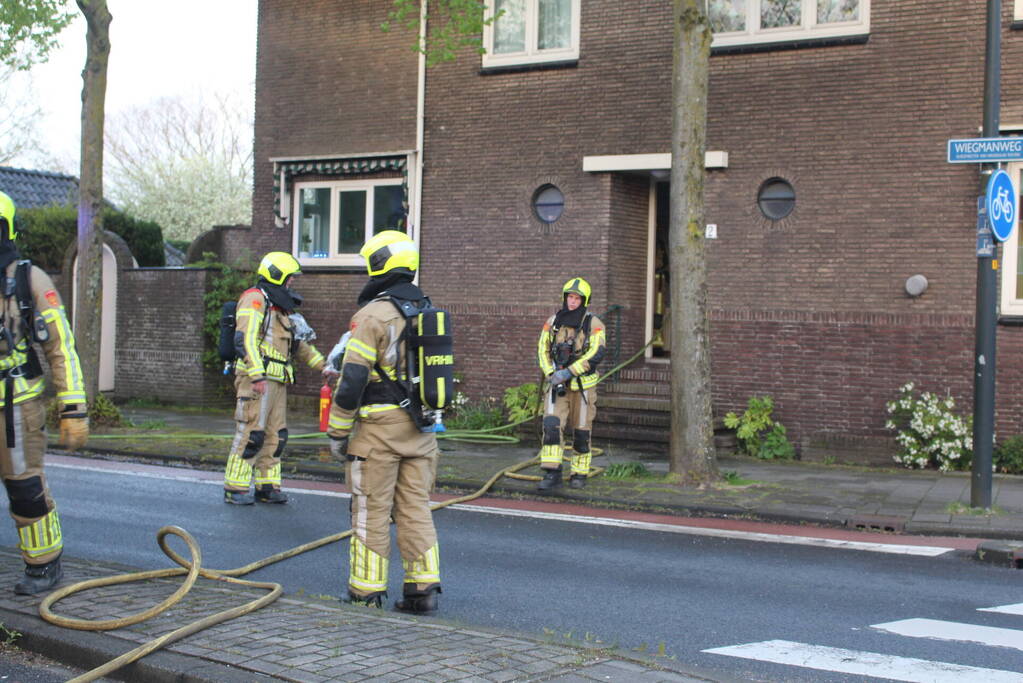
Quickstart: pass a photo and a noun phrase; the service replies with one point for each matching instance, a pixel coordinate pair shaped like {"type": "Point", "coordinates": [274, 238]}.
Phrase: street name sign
{"type": "Point", "coordinates": [985, 150]}
{"type": "Point", "coordinates": [1000, 203]}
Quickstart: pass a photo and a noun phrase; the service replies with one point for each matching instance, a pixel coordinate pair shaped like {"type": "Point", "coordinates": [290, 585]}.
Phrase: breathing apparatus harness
{"type": "Point", "coordinates": [277, 295]}
{"type": "Point", "coordinates": [425, 384]}
{"type": "Point", "coordinates": [33, 329]}
{"type": "Point", "coordinates": [564, 353]}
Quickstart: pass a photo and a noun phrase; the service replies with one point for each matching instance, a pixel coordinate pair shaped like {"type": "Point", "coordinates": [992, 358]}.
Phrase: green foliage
{"type": "Point", "coordinates": [522, 402]}
{"type": "Point", "coordinates": [183, 245]}
{"type": "Point", "coordinates": [627, 470]}
{"type": "Point", "coordinates": [1008, 455]}
{"type": "Point", "coordinates": [474, 415]}
{"type": "Point", "coordinates": [46, 233]}
{"type": "Point", "coordinates": [226, 285]}
{"type": "Point", "coordinates": [30, 29]}
{"type": "Point", "coordinates": [454, 24]}
{"type": "Point", "coordinates": [102, 413]}
{"type": "Point", "coordinates": [759, 435]}
{"type": "Point", "coordinates": [929, 430]}
{"type": "Point", "coordinates": [8, 635]}
{"type": "Point", "coordinates": [144, 238]}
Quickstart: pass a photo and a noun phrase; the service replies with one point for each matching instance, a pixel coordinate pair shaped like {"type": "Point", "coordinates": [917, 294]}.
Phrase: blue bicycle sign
{"type": "Point", "coordinates": [1000, 201]}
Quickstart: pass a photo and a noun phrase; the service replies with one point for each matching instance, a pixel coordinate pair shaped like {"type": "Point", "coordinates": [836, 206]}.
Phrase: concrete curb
{"type": "Point", "coordinates": [1001, 554]}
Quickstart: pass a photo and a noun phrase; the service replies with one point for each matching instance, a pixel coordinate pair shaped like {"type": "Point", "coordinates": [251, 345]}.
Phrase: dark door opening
{"type": "Point", "coordinates": [662, 308]}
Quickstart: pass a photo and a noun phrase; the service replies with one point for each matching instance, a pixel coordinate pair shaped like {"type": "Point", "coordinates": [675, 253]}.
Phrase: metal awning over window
{"type": "Point", "coordinates": [285, 169]}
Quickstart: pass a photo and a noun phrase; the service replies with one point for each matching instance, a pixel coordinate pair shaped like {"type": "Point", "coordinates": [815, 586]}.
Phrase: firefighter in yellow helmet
{"type": "Point", "coordinates": [269, 336]}
{"type": "Point", "coordinates": [32, 312]}
{"type": "Point", "coordinates": [572, 343]}
{"type": "Point", "coordinates": [390, 463]}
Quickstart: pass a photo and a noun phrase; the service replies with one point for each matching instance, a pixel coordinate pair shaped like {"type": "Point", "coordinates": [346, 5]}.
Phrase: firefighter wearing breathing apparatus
{"type": "Point", "coordinates": [390, 461]}
{"type": "Point", "coordinates": [268, 336]}
{"type": "Point", "coordinates": [32, 312]}
{"type": "Point", "coordinates": [572, 344]}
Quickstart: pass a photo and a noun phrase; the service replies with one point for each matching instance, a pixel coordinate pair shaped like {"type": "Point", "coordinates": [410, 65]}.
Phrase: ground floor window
{"type": "Point", "coordinates": [333, 219]}
{"type": "Point", "coordinates": [1012, 256]}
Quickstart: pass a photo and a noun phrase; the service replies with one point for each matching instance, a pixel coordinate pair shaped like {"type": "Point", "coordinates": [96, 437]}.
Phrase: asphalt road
{"type": "Point", "coordinates": [662, 592]}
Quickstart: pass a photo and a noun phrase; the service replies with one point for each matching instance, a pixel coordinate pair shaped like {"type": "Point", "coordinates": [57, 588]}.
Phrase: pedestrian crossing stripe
{"type": "Point", "coordinates": [952, 630]}
{"type": "Point", "coordinates": [860, 663]}
{"type": "Point", "coordinates": [1004, 609]}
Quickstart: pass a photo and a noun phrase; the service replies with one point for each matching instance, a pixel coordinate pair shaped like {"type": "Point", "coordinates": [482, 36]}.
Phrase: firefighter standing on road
{"type": "Point", "coordinates": [269, 334]}
{"type": "Point", "coordinates": [571, 345]}
{"type": "Point", "coordinates": [390, 463]}
{"type": "Point", "coordinates": [32, 312]}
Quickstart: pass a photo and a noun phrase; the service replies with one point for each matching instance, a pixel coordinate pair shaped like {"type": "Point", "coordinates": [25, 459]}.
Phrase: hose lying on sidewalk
{"type": "Point", "coordinates": [192, 567]}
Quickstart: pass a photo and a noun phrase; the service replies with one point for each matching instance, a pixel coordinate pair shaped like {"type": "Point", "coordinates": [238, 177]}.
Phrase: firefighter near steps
{"type": "Point", "coordinates": [572, 344]}
{"type": "Point", "coordinates": [32, 313]}
{"type": "Point", "coordinates": [269, 335]}
{"type": "Point", "coordinates": [391, 458]}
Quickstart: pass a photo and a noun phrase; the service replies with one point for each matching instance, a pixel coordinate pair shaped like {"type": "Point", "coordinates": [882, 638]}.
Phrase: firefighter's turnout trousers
{"type": "Point", "coordinates": [32, 507]}
{"type": "Point", "coordinates": [261, 432]}
{"type": "Point", "coordinates": [574, 410]}
{"type": "Point", "coordinates": [391, 470]}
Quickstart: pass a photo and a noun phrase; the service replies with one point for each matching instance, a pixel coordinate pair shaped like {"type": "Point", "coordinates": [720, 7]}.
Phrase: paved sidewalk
{"type": "Point", "coordinates": [301, 640]}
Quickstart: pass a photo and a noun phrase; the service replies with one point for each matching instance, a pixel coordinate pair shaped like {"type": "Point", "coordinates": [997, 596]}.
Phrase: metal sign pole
{"type": "Point", "coordinates": [984, 337]}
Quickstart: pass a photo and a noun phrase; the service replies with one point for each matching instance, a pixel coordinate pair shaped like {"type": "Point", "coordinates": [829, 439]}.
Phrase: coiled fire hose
{"type": "Point", "coordinates": [192, 567]}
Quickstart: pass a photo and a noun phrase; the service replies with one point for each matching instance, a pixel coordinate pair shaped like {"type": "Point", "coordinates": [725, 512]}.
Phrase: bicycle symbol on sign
{"type": "Point", "coordinates": [1002, 205]}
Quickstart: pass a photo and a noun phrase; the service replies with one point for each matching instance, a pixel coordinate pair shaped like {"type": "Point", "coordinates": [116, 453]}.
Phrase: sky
{"type": "Point", "coordinates": [157, 49]}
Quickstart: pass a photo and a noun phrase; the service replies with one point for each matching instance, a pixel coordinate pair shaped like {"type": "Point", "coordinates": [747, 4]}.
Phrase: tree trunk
{"type": "Point", "coordinates": [692, 429]}
{"type": "Point", "coordinates": [89, 294]}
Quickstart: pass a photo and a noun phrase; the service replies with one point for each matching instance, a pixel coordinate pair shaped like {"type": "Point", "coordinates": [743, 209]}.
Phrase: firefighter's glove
{"type": "Point", "coordinates": [74, 427]}
{"type": "Point", "coordinates": [339, 448]}
{"type": "Point", "coordinates": [561, 376]}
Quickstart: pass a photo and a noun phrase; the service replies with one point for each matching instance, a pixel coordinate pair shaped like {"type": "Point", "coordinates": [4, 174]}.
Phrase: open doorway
{"type": "Point", "coordinates": [661, 346]}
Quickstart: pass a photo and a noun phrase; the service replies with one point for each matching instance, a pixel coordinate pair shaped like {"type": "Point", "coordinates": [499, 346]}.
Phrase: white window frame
{"type": "Point", "coordinates": [1017, 12]}
{"type": "Point", "coordinates": [532, 54]}
{"type": "Point", "coordinates": [808, 30]}
{"type": "Point", "coordinates": [336, 187]}
{"type": "Point", "coordinates": [1009, 304]}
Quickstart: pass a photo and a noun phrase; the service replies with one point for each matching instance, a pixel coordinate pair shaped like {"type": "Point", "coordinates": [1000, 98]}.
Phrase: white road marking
{"type": "Point", "coordinates": [1004, 609]}
{"type": "Point", "coordinates": [890, 548]}
{"type": "Point", "coordinates": [951, 630]}
{"type": "Point", "coordinates": [922, 550]}
{"type": "Point", "coordinates": [864, 663]}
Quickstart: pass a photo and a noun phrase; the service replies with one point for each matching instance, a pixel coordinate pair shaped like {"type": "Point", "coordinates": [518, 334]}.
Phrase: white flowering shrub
{"type": "Point", "coordinates": [929, 431]}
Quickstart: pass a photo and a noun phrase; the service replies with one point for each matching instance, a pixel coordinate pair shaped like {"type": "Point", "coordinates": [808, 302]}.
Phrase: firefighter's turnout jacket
{"type": "Point", "coordinates": [391, 464]}
{"type": "Point", "coordinates": [266, 348]}
{"type": "Point", "coordinates": [21, 388]}
{"type": "Point", "coordinates": [578, 406]}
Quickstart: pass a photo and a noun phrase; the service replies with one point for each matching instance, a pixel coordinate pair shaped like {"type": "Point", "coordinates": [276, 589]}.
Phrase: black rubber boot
{"type": "Point", "coordinates": [374, 600]}
{"type": "Point", "coordinates": [577, 481]}
{"type": "Point", "coordinates": [415, 601]}
{"type": "Point", "coordinates": [238, 498]}
{"type": "Point", "coordinates": [40, 578]}
{"type": "Point", "coordinates": [268, 494]}
{"type": "Point", "coordinates": [551, 479]}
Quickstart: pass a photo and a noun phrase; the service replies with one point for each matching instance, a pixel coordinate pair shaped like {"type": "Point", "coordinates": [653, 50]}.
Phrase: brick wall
{"type": "Point", "coordinates": [810, 309]}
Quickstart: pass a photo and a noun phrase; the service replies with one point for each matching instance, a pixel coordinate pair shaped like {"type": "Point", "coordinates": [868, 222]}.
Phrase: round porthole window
{"type": "Point", "coordinates": [548, 203]}
{"type": "Point", "coordinates": [776, 198]}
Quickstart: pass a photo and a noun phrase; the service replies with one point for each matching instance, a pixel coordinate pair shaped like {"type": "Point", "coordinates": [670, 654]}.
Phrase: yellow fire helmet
{"type": "Point", "coordinates": [277, 266]}
{"type": "Point", "coordinates": [388, 250]}
{"type": "Point", "coordinates": [7, 230]}
{"type": "Point", "coordinates": [579, 286]}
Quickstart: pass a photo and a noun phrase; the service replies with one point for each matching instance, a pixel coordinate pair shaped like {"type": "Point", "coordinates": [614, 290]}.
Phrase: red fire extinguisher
{"type": "Point", "coordinates": [325, 392]}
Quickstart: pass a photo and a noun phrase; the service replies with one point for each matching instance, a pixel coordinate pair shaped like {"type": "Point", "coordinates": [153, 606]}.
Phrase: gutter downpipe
{"type": "Point", "coordinates": [417, 190]}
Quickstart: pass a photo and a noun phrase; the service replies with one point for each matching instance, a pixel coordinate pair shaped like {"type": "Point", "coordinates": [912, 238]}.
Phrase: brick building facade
{"type": "Point", "coordinates": [810, 308]}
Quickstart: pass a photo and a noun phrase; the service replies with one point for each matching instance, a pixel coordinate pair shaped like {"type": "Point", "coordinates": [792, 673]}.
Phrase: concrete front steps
{"type": "Point", "coordinates": [635, 410]}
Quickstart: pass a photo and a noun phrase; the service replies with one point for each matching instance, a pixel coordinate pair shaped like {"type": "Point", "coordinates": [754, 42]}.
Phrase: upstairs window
{"type": "Point", "coordinates": [751, 22]}
{"type": "Point", "coordinates": [531, 32]}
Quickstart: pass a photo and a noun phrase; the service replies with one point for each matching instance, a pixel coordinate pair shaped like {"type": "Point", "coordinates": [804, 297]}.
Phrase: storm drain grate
{"type": "Point", "coordinates": [877, 523]}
